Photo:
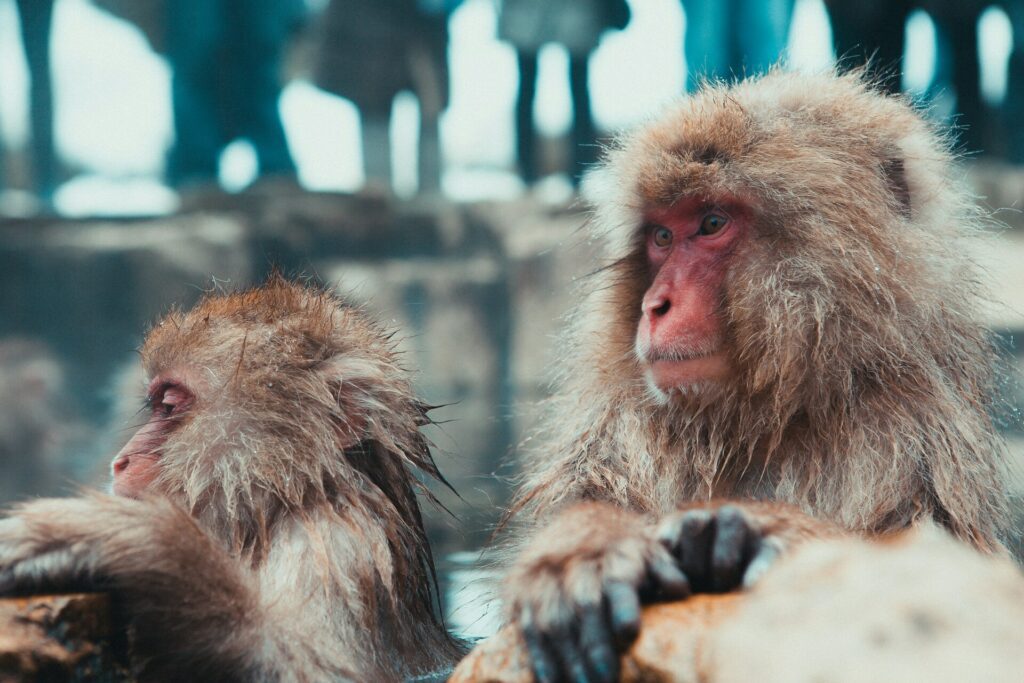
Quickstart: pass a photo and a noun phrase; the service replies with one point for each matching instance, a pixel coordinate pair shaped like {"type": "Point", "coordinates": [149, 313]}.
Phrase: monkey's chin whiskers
{"type": "Point", "coordinates": [663, 395]}
{"type": "Point", "coordinates": [695, 389]}
{"type": "Point", "coordinates": [687, 377]}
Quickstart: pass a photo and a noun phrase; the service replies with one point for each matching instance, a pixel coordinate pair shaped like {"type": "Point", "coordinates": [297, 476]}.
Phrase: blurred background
{"type": "Point", "coordinates": [424, 155]}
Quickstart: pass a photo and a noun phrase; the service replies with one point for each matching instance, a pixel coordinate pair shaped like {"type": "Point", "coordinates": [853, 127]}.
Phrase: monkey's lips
{"type": "Point", "coordinates": [668, 373]}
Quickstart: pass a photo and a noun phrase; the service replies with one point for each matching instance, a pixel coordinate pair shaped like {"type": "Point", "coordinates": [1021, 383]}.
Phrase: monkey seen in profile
{"type": "Point", "coordinates": [264, 523]}
{"type": "Point", "coordinates": [787, 317]}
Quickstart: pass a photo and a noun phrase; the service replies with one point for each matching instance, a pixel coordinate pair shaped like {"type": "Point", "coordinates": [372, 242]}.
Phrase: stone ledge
{"type": "Point", "coordinates": [920, 607]}
{"type": "Point", "coordinates": [60, 639]}
{"type": "Point", "coordinates": [671, 646]}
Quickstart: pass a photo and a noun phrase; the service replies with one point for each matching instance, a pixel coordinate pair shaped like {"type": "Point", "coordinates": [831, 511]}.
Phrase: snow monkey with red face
{"type": "Point", "coordinates": [782, 342]}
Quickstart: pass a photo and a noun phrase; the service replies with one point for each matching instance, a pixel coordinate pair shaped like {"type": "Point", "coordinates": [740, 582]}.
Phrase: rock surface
{"type": "Point", "coordinates": [59, 639]}
{"type": "Point", "coordinates": [922, 608]}
{"type": "Point", "coordinates": [671, 647]}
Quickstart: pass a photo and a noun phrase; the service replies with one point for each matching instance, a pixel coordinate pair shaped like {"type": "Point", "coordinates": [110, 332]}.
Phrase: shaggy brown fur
{"type": "Point", "coordinates": [862, 378]}
{"type": "Point", "coordinates": [286, 543]}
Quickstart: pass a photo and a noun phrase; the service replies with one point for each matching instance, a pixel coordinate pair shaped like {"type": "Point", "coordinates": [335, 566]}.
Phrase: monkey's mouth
{"type": "Point", "coordinates": [680, 370]}
{"type": "Point", "coordinates": [675, 356]}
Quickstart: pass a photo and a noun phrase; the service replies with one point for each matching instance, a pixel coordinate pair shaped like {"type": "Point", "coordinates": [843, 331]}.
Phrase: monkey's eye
{"type": "Point", "coordinates": [712, 224]}
{"type": "Point", "coordinates": [168, 400]}
{"type": "Point", "coordinates": [661, 236]}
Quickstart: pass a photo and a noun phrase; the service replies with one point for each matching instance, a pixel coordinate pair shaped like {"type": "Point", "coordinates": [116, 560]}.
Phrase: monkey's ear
{"type": "Point", "coordinates": [894, 171]}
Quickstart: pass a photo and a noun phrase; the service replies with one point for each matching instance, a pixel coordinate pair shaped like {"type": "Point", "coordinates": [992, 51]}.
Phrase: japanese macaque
{"type": "Point", "coordinates": [264, 523]}
{"type": "Point", "coordinates": [787, 315]}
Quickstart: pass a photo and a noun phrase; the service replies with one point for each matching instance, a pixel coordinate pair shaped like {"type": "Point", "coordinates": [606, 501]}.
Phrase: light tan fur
{"type": "Point", "coordinates": [862, 380]}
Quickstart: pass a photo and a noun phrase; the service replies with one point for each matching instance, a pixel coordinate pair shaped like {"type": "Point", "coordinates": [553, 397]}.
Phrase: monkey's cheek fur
{"type": "Point", "coordinates": [687, 375]}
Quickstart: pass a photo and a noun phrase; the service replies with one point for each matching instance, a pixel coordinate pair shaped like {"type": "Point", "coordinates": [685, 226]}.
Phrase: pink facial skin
{"type": "Point", "coordinates": [138, 463]}
{"type": "Point", "coordinates": [680, 336]}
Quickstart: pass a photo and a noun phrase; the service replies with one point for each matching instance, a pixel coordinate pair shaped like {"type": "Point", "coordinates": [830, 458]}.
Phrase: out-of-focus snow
{"type": "Point", "coordinates": [112, 93]}
{"type": "Point", "coordinates": [13, 79]}
{"type": "Point", "coordinates": [94, 194]}
{"type": "Point", "coordinates": [995, 43]}
{"type": "Point", "coordinates": [323, 134]}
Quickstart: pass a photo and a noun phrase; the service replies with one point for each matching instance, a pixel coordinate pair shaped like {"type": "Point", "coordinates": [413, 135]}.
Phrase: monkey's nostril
{"type": "Point", "coordinates": [656, 306]}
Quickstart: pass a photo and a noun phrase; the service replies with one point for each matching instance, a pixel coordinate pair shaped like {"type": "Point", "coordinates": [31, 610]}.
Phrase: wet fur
{"type": "Point", "coordinates": [287, 543]}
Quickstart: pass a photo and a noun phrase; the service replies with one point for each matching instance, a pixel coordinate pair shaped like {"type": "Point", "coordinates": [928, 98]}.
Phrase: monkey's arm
{"type": "Point", "coordinates": [192, 609]}
{"type": "Point", "coordinates": [577, 587]}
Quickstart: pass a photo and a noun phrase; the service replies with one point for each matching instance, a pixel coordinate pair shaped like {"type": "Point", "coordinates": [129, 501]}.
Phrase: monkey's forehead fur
{"type": "Point", "coordinates": [280, 325]}
{"type": "Point", "coordinates": [783, 142]}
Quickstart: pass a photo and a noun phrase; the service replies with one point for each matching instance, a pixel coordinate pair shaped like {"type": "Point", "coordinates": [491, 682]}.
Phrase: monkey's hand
{"type": "Point", "coordinates": [180, 591]}
{"type": "Point", "coordinates": [576, 591]}
{"type": "Point", "coordinates": [724, 547]}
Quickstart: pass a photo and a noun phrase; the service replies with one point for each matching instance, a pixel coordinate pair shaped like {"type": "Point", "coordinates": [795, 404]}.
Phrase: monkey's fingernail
{"type": "Point", "coordinates": [671, 582]}
{"type": "Point", "coordinates": [544, 666]}
{"type": "Point", "coordinates": [604, 663]}
{"type": "Point", "coordinates": [693, 521]}
{"type": "Point", "coordinates": [6, 583]}
{"type": "Point", "coordinates": [727, 551]}
{"type": "Point", "coordinates": [573, 658]}
{"type": "Point", "coordinates": [693, 546]}
{"type": "Point", "coordinates": [762, 562]}
{"type": "Point", "coordinates": [668, 532]}
{"type": "Point", "coordinates": [597, 646]}
{"type": "Point", "coordinates": [624, 611]}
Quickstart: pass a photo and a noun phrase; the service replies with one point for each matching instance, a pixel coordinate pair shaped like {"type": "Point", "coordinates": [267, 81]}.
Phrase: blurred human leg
{"type": "Point", "coordinates": [1013, 104]}
{"type": "Point", "coordinates": [194, 37]}
{"type": "Point", "coordinates": [526, 138]}
{"type": "Point", "coordinates": [762, 29]}
{"type": "Point", "coordinates": [429, 83]}
{"type": "Point", "coordinates": [584, 134]}
{"type": "Point", "coordinates": [430, 159]}
{"type": "Point", "coordinates": [256, 35]}
{"type": "Point", "coordinates": [871, 29]}
{"type": "Point", "coordinates": [958, 65]}
{"type": "Point", "coordinates": [376, 134]}
{"type": "Point", "coordinates": [36, 22]}
{"type": "Point", "coordinates": [707, 43]}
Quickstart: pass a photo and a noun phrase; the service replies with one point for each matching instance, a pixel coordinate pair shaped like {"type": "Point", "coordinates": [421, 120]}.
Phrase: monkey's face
{"type": "Point", "coordinates": [258, 394]}
{"type": "Point", "coordinates": [136, 466]}
{"type": "Point", "coordinates": [222, 406]}
{"type": "Point", "coordinates": [201, 396]}
{"type": "Point", "coordinates": [770, 240]}
{"type": "Point", "coordinates": [680, 340]}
